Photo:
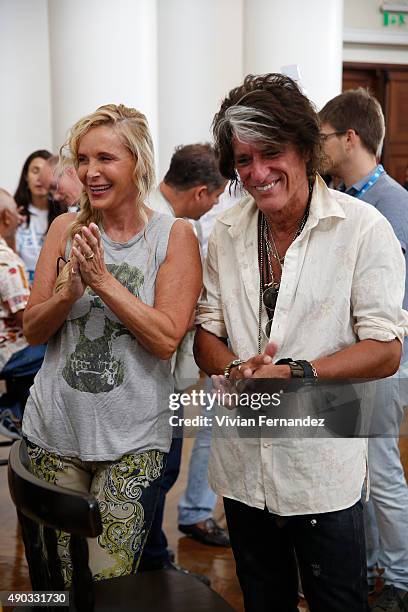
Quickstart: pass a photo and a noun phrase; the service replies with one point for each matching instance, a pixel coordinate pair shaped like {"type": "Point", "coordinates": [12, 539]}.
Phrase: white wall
{"type": "Point", "coordinates": [363, 20]}
{"type": "Point", "coordinates": [308, 34]}
{"type": "Point", "coordinates": [25, 100]}
{"type": "Point", "coordinates": [200, 59]}
{"type": "Point", "coordinates": [101, 52]}
{"type": "Point", "coordinates": [367, 14]}
{"type": "Point", "coordinates": [173, 59]}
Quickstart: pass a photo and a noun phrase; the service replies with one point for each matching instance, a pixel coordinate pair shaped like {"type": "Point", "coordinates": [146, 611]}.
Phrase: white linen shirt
{"type": "Point", "coordinates": [343, 281]}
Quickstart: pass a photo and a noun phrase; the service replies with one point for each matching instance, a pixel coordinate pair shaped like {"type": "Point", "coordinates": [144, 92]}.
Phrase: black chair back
{"type": "Point", "coordinates": [53, 508]}
{"type": "Point", "coordinates": [44, 507]}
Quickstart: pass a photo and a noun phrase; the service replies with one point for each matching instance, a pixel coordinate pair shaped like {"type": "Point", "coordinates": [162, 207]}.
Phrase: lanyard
{"type": "Point", "coordinates": [371, 181]}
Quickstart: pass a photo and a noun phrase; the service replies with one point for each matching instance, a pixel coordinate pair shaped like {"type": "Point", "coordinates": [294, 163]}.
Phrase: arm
{"type": "Point", "coordinates": [16, 319]}
{"type": "Point", "coordinates": [159, 328]}
{"type": "Point", "coordinates": [365, 359]}
{"type": "Point", "coordinates": [376, 304]}
{"type": "Point", "coordinates": [211, 353]}
{"type": "Point", "coordinates": [14, 290]}
{"type": "Point", "coordinates": [46, 311]}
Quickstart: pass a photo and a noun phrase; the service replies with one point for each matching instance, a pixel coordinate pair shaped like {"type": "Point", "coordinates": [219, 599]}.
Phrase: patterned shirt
{"type": "Point", "coordinates": [333, 293]}
{"type": "Point", "coordinates": [14, 293]}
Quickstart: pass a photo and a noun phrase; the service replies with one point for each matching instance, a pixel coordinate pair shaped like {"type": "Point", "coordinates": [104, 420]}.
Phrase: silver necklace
{"type": "Point", "coordinates": [274, 286]}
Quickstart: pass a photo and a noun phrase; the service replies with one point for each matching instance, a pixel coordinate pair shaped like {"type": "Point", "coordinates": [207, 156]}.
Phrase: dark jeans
{"type": "Point", "coordinates": [330, 552]}
{"type": "Point", "coordinates": [19, 374]}
{"type": "Point", "coordinates": [155, 552]}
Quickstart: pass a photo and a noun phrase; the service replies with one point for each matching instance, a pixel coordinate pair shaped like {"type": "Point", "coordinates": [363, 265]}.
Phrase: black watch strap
{"type": "Point", "coordinates": [299, 368]}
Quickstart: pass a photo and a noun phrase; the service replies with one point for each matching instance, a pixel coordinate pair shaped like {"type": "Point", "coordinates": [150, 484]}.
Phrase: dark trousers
{"type": "Point", "coordinates": [330, 552]}
{"type": "Point", "coordinates": [155, 550]}
{"type": "Point", "coordinates": [19, 374]}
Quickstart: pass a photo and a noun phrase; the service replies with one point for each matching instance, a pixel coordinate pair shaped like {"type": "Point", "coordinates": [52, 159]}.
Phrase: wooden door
{"type": "Point", "coordinates": [395, 154]}
{"type": "Point", "coordinates": [389, 84]}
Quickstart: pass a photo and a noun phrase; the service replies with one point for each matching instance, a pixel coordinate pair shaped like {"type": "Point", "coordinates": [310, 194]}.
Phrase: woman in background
{"type": "Point", "coordinates": [97, 419]}
{"type": "Point", "coordinates": [35, 205]}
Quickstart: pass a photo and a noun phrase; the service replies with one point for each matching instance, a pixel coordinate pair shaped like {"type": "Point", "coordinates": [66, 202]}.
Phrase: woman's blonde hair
{"type": "Point", "coordinates": [132, 128]}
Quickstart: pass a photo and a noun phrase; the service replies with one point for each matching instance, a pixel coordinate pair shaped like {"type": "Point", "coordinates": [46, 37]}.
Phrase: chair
{"type": "Point", "coordinates": [40, 503]}
{"type": "Point", "coordinates": [5, 443]}
{"type": "Point", "coordinates": [15, 397]}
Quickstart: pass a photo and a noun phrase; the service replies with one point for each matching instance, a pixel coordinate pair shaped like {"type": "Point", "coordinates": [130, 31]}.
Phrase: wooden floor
{"type": "Point", "coordinates": [216, 563]}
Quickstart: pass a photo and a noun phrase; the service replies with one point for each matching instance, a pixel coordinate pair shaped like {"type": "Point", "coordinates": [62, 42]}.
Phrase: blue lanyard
{"type": "Point", "coordinates": [371, 181]}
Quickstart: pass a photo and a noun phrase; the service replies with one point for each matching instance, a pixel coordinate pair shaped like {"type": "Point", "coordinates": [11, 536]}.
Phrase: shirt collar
{"type": "Point", "coordinates": [358, 185]}
{"type": "Point", "coordinates": [323, 205]}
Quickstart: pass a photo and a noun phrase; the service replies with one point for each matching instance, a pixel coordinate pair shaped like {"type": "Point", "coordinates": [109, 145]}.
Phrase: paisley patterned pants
{"type": "Point", "coordinates": [127, 492]}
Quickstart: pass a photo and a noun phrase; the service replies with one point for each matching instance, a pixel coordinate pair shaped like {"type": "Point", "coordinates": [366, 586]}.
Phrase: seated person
{"type": "Point", "coordinates": [17, 359]}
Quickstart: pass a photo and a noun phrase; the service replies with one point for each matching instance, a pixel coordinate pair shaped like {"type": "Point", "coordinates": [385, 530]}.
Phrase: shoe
{"type": "Point", "coordinates": [9, 425]}
{"type": "Point", "coordinates": [211, 534]}
{"type": "Point", "coordinates": [170, 565]}
{"type": "Point", "coordinates": [391, 599]}
{"type": "Point", "coordinates": [149, 564]}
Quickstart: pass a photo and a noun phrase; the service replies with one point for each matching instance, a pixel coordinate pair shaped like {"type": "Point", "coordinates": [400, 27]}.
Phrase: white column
{"type": "Point", "coordinates": [25, 85]}
{"type": "Point", "coordinates": [200, 60]}
{"type": "Point", "coordinates": [102, 52]}
{"type": "Point", "coordinates": [279, 33]}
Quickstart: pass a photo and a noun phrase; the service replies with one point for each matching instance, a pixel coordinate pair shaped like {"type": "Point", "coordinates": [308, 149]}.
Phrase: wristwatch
{"type": "Point", "coordinates": [300, 368]}
{"type": "Point", "coordinates": [232, 364]}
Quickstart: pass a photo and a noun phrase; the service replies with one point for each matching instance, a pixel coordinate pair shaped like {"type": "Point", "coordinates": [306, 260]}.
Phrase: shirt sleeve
{"type": "Point", "coordinates": [378, 286]}
{"type": "Point", "coordinates": [209, 310]}
{"type": "Point", "coordinates": [14, 289]}
{"type": "Point", "coordinates": [395, 209]}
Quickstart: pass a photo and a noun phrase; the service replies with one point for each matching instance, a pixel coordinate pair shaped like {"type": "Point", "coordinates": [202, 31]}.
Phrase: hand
{"type": "Point", "coordinates": [75, 285]}
{"type": "Point", "coordinates": [261, 366]}
{"type": "Point", "coordinates": [88, 252]}
{"type": "Point", "coordinates": [225, 389]}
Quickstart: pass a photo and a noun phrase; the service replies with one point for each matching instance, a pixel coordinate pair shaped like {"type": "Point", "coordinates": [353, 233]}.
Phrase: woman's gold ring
{"type": "Point", "coordinates": [90, 256]}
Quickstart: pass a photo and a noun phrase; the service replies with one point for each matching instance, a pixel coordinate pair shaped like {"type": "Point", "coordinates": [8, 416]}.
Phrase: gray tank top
{"type": "Point", "coordinates": [99, 393]}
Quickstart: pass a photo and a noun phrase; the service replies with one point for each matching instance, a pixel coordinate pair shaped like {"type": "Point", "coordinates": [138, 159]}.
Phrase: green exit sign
{"type": "Point", "coordinates": [394, 18]}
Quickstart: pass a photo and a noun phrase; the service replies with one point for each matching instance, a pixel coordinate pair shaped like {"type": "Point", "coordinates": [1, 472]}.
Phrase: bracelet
{"type": "Point", "coordinates": [299, 368]}
{"type": "Point", "coordinates": [232, 364]}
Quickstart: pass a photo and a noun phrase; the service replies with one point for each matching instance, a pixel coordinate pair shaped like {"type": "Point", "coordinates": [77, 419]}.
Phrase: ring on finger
{"type": "Point", "coordinates": [91, 256]}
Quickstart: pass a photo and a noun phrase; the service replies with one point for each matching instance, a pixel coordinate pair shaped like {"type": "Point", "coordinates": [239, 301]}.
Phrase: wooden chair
{"type": "Point", "coordinates": [53, 507]}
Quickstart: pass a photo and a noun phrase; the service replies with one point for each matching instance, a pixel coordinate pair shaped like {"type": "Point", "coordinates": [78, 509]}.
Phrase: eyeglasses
{"type": "Point", "coordinates": [269, 298]}
{"type": "Point", "coordinates": [324, 137]}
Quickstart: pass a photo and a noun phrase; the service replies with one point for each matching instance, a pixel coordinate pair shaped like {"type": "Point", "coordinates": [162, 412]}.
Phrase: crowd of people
{"type": "Point", "coordinates": [117, 291]}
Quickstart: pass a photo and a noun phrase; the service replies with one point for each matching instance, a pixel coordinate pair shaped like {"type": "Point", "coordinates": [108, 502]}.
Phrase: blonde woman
{"type": "Point", "coordinates": [97, 418]}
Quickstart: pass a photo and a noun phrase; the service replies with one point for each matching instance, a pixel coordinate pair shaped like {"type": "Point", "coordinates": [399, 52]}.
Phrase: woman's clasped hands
{"type": "Point", "coordinates": [87, 256]}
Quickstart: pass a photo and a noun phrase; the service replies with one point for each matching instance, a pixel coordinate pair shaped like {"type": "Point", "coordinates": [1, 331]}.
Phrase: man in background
{"type": "Point", "coordinates": [352, 129]}
{"type": "Point", "coordinates": [190, 188]}
{"type": "Point", "coordinates": [62, 183]}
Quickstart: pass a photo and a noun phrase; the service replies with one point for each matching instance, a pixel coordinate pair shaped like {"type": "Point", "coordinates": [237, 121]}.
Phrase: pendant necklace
{"type": "Point", "coordinates": [268, 287]}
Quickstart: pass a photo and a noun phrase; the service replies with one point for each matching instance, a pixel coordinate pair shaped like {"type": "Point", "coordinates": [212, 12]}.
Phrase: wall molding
{"type": "Point", "coordinates": [364, 36]}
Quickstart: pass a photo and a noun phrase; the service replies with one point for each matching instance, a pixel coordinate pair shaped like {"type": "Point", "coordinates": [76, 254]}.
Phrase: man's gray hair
{"type": "Point", "coordinates": [246, 123]}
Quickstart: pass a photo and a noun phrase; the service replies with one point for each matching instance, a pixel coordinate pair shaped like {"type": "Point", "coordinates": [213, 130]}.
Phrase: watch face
{"type": "Point", "coordinates": [296, 370]}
